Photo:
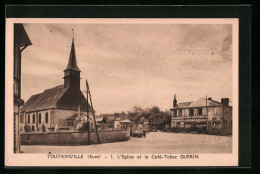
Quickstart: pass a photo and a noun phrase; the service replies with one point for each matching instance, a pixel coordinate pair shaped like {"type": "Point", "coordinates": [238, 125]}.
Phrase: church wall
{"type": "Point", "coordinates": [43, 121]}
{"type": "Point", "coordinates": [73, 138]}
{"type": "Point", "coordinates": [39, 120]}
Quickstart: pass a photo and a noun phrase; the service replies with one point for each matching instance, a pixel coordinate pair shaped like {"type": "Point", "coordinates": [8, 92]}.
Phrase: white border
{"type": "Point", "coordinates": [12, 159]}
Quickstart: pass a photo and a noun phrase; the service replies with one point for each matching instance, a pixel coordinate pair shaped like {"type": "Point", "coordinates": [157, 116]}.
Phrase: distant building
{"type": "Point", "coordinates": [21, 41]}
{"type": "Point", "coordinates": [117, 123]}
{"type": "Point", "coordinates": [120, 123]}
{"type": "Point", "coordinates": [101, 123]}
{"type": "Point", "coordinates": [205, 115]}
{"type": "Point", "coordinates": [58, 106]}
{"type": "Point", "coordinates": [125, 123]}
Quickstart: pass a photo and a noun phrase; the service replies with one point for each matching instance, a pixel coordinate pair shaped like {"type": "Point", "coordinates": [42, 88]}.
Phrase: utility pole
{"type": "Point", "coordinates": [88, 114]}
{"type": "Point", "coordinates": [92, 108]}
{"type": "Point", "coordinates": [207, 114]}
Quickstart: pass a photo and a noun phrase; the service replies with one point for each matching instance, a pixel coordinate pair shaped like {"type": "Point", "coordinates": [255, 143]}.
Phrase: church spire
{"type": "Point", "coordinates": [72, 65]}
{"type": "Point", "coordinates": [72, 72]}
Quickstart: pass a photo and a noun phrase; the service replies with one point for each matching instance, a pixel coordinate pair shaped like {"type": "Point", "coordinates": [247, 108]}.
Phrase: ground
{"type": "Point", "coordinates": [155, 142]}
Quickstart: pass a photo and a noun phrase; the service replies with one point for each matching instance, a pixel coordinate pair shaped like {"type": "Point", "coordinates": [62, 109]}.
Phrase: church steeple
{"type": "Point", "coordinates": [72, 60]}
{"type": "Point", "coordinates": [72, 72]}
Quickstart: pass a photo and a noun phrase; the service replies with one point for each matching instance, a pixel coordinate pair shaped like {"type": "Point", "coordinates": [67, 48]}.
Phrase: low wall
{"type": "Point", "coordinates": [73, 138]}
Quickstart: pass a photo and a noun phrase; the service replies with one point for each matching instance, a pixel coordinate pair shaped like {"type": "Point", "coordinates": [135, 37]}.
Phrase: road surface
{"type": "Point", "coordinates": [155, 142]}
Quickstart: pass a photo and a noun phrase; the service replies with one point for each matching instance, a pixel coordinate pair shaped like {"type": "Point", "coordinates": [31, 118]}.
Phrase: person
{"type": "Point", "coordinates": [144, 133]}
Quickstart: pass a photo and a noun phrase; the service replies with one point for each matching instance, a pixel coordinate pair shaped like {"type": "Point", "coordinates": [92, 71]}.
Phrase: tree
{"type": "Point", "coordinates": [141, 120]}
{"type": "Point", "coordinates": [137, 109]}
{"type": "Point", "coordinates": [154, 110]}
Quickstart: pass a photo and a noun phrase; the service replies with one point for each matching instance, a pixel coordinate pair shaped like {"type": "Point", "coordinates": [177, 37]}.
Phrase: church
{"type": "Point", "coordinates": [58, 108]}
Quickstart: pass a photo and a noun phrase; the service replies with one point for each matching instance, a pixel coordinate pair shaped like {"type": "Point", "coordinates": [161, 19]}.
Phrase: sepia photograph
{"type": "Point", "coordinates": [112, 89]}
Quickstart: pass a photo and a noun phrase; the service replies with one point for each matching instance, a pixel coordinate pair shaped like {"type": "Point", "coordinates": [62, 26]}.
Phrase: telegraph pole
{"type": "Point", "coordinates": [207, 114]}
{"type": "Point", "coordinates": [88, 114]}
{"type": "Point", "coordinates": [93, 111]}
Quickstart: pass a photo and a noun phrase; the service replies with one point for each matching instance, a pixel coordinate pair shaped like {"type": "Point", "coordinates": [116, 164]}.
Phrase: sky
{"type": "Point", "coordinates": [130, 65]}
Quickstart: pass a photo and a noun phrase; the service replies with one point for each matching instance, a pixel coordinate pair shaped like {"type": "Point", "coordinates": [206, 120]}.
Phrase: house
{"type": "Point", "coordinates": [101, 123]}
{"type": "Point", "coordinates": [117, 124]}
{"type": "Point", "coordinates": [79, 123]}
{"type": "Point", "coordinates": [21, 41]}
{"type": "Point", "coordinates": [55, 107]}
{"type": "Point", "coordinates": [120, 123]}
{"type": "Point", "coordinates": [125, 123]}
{"type": "Point", "coordinates": [203, 115]}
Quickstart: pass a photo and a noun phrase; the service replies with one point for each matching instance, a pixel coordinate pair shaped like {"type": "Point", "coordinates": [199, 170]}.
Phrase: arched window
{"type": "Point", "coordinates": [40, 118]}
{"type": "Point", "coordinates": [28, 118]}
{"type": "Point", "coordinates": [33, 118]}
{"type": "Point", "coordinates": [46, 118]}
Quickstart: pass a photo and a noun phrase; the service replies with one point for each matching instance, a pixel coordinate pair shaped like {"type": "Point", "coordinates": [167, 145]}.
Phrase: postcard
{"type": "Point", "coordinates": [121, 92]}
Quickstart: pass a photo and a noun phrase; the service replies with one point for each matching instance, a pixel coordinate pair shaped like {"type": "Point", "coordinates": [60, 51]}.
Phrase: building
{"type": "Point", "coordinates": [21, 41]}
{"type": "Point", "coordinates": [117, 123]}
{"type": "Point", "coordinates": [57, 107]}
{"type": "Point", "coordinates": [125, 123]}
{"type": "Point", "coordinates": [203, 115]}
{"type": "Point", "coordinates": [120, 123]}
{"type": "Point", "coordinates": [101, 123]}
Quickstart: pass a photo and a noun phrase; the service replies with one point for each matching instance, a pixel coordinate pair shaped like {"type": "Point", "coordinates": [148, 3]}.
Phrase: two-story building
{"type": "Point", "coordinates": [203, 115]}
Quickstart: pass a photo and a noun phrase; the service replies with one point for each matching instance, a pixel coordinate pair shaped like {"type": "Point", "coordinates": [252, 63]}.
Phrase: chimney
{"type": "Point", "coordinates": [174, 101]}
{"type": "Point", "coordinates": [225, 101]}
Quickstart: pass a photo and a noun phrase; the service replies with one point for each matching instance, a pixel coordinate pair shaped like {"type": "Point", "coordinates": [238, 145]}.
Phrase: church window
{"type": "Point", "coordinates": [29, 118]}
{"type": "Point", "coordinates": [40, 118]}
{"type": "Point", "coordinates": [33, 118]}
{"type": "Point", "coordinates": [46, 118]}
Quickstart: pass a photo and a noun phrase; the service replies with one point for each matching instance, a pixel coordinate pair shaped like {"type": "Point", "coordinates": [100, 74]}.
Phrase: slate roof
{"type": "Point", "coordinates": [57, 97]}
{"type": "Point", "coordinates": [202, 102]}
{"type": "Point", "coordinates": [184, 105]}
{"type": "Point", "coordinates": [199, 103]}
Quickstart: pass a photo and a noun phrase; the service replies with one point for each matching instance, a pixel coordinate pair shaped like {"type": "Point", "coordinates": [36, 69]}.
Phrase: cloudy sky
{"type": "Point", "coordinates": [132, 64]}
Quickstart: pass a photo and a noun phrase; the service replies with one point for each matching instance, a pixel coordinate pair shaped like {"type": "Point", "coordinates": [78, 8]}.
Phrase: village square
{"type": "Point", "coordinates": [64, 118]}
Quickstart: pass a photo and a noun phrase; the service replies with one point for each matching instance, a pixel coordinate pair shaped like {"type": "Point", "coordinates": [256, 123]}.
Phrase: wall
{"type": "Point", "coordinates": [73, 138]}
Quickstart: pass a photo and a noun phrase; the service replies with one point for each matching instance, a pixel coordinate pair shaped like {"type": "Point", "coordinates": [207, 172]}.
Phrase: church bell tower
{"type": "Point", "coordinates": [72, 72]}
